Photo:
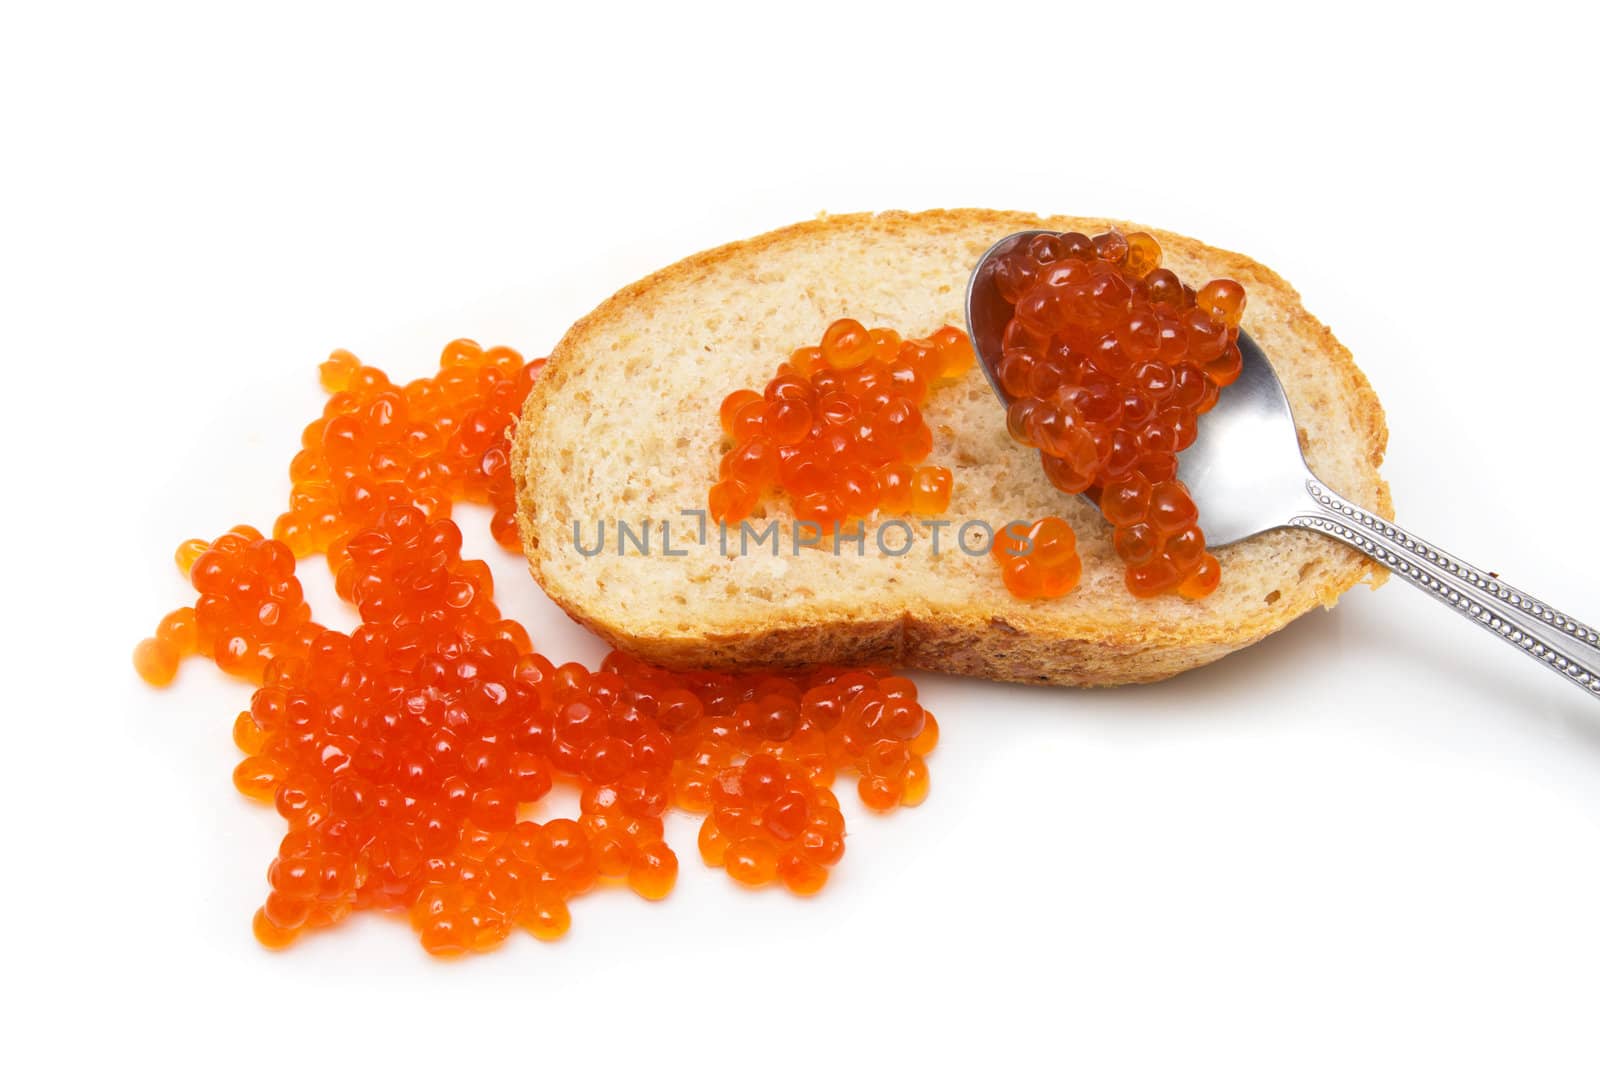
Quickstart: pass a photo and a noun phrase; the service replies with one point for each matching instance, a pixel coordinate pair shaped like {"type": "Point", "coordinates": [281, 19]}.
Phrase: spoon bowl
{"type": "Point", "coordinates": [1246, 474]}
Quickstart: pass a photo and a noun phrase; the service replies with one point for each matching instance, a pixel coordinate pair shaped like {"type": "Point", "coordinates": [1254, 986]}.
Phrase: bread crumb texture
{"type": "Point", "coordinates": [623, 426]}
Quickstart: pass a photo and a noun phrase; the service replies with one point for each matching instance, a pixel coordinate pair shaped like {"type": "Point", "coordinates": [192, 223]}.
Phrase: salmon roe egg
{"type": "Point", "coordinates": [156, 661]}
{"type": "Point", "coordinates": [1107, 362]}
{"type": "Point", "coordinates": [839, 429]}
{"type": "Point", "coordinates": [404, 754]}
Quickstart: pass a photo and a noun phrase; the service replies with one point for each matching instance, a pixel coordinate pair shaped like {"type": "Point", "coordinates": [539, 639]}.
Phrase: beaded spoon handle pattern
{"type": "Point", "coordinates": [1565, 645]}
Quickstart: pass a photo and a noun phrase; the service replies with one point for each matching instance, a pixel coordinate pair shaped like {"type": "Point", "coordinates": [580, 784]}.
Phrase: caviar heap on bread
{"type": "Point", "coordinates": [403, 754]}
{"type": "Point", "coordinates": [839, 428]}
{"type": "Point", "coordinates": [1038, 561]}
{"type": "Point", "coordinates": [1108, 361]}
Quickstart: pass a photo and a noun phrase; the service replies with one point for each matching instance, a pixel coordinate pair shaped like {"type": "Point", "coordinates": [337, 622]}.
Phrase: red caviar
{"type": "Point", "coordinates": [1038, 562]}
{"type": "Point", "coordinates": [427, 444]}
{"type": "Point", "coordinates": [839, 428]}
{"type": "Point", "coordinates": [1108, 361]}
{"type": "Point", "coordinates": [403, 754]}
{"type": "Point", "coordinates": [770, 822]}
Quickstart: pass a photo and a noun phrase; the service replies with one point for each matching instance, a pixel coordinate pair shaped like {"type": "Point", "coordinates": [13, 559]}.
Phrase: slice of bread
{"type": "Point", "coordinates": [624, 425]}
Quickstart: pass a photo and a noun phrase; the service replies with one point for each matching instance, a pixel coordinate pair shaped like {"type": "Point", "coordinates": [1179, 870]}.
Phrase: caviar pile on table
{"type": "Point", "coordinates": [402, 754]}
{"type": "Point", "coordinates": [1108, 362]}
{"type": "Point", "coordinates": [839, 428]}
{"type": "Point", "coordinates": [427, 444]}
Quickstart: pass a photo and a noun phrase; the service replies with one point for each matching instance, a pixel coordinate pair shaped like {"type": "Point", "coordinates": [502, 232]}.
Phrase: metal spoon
{"type": "Point", "coordinates": [1247, 475]}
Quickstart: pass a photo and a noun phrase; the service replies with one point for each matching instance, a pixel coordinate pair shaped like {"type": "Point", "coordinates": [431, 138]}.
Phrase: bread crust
{"type": "Point", "coordinates": [972, 640]}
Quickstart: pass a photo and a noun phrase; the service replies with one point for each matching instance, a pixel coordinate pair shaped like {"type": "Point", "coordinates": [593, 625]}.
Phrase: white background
{"type": "Point", "coordinates": [1374, 838]}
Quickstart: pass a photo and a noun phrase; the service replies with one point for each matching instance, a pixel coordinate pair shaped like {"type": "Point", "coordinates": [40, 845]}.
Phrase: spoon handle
{"type": "Point", "coordinates": [1559, 641]}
